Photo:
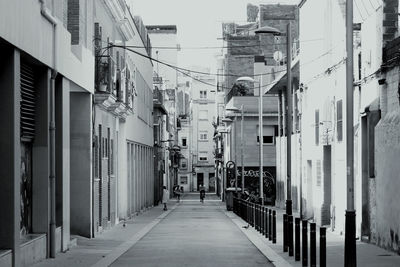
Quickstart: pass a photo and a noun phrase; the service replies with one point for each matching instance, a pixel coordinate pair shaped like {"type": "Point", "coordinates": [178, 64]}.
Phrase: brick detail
{"type": "Point", "coordinates": [73, 20]}
{"type": "Point", "coordinates": [390, 21]}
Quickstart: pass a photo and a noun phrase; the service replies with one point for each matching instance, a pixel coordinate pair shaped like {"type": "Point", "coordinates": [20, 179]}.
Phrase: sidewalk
{"type": "Point", "coordinates": [367, 254]}
{"type": "Point", "coordinates": [111, 243]}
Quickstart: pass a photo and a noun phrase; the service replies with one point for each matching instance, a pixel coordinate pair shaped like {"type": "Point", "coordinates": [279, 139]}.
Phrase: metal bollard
{"type": "Point", "coordinates": [290, 235]}
{"type": "Point", "coordinates": [265, 221]}
{"type": "Point", "coordinates": [285, 222]}
{"type": "Point", "coordinates": [297, 239]}
{"type": "Point", "coordinates": [322, 246]}
{"type": "Point", "coordinates": [262, 219]}
{"type": "Point", "coordinates": [313, 245]}
{"type": "Point", "coordinates": [258, 217]}
{"type": "Point", "coordinates": [270, 226]}
{"type": "Point", "coordinates": [274, 227]}
{"type": "Point", "coordinates": [304, 240]}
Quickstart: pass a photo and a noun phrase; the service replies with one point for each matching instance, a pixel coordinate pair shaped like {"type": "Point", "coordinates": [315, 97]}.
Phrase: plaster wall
{"type": "Point", "coordinates": [33, 34]}
{"type": "Point", "coordinates": [385, 229]}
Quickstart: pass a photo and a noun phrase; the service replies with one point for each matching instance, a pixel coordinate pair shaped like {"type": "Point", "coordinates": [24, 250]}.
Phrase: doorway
{"type": "Point", "coordinates": [200, 180]}
{"type": "Point", "coordinates": [211, 182]}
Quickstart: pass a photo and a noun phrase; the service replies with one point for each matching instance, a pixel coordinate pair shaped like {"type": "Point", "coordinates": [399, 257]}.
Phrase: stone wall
{"type": "Point", "coordinates": [385, 211]}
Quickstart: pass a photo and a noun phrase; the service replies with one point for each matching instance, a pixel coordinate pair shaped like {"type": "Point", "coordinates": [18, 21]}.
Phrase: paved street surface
{"type": "Point", "coordinates": [191, 233]}
{"type": "Point", "coordinates": [194, 234]}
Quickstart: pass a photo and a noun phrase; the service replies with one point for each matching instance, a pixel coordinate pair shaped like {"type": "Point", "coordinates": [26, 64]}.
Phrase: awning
{"type": "Point", "coordinates": [280, 82]}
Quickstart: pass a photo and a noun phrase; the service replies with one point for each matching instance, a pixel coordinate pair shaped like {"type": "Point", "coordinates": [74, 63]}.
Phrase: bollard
{"type": "Point", "coordinates": [313, 245]}
{"type": "Point", "coordinates": [290, 235]}
{"type": "Point", "coordinates": [263, 220]}
{"type": "Point", "coordinates": [258, 218]}
{"type": "Point", "coordinates": [285, 221]}
{"type": "Point", "coordinates": [274, 228]}
{"type": "Point", "coordinates": [297, 239]}
{"type": "Point", "coordinates": [304, 243]}
{"type": "Point", "coordinates": [270, 228]}
{"type": "Point", "coordinates": [322, 246]}
{"type": "Point", "coordinates": [257, 225]}
{"type": "Point", "coordinates": [266, 222]}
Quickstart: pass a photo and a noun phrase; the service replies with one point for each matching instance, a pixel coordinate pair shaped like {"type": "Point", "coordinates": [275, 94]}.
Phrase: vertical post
{"type": "Point", "coordinates": [290, 235]}
{"type": "Point", "coordinates": [350, 257]}
{"type": "Point", "coordinates": [235, 155]}
{"type": "Point", "coordinates": [270, 230]}
{"type": "Point", "coordinates": [289, 120]}
{"type": "Point", "coordinates": [313, 245]}
{"type": "Point", "coordinates": [285, 223]}
{"type": "Point", "coordinates": [261, 140]}
{"type": "Point", "coordinates": [266, 222]}
{"type": "Point", "coordinates": [241, 147]}
{"type": "Point", "coordinates": [274, 227]}
{"type": "Point", "coordinates": [297, 239]}
{"type": "Point", "coordinates": [322, 246]}
{"type": "Point", "coordinates": [304, 243]}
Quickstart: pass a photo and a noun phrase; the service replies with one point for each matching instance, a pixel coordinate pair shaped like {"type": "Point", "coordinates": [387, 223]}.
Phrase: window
{"type": "Point", "coordinates": [183, 164]}
{"type": "Point", "coordinates": [267, 139]}
{"type": "Point", "coordinates": [184, 179]}
{"type": "Point", "coordinates": [317, 127]}
{"type": "Point", "coordinates": [184, 142]}
{"type": "Point", "coordinates": [339, 120]}
{"type": "Point", "coordinates": [203, 94]}
{"type": "Point", "coordinates": [203, 115]}
{"type": "Point", "coordinates": [203, 136]}
{"type": "Point", "coordinates": [203, 158]}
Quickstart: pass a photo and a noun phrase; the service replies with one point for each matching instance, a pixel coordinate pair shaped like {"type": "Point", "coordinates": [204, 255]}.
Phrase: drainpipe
{"type": "Point", "coordinates": [50, 17]}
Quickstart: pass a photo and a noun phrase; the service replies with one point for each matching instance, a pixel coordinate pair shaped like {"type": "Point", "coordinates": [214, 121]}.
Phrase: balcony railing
{"type": "Point", "coordinates": [157, 97]}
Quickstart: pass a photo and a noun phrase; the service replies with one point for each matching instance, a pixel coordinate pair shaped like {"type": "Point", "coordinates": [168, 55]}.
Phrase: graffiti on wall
{"type": "Point", "coordinates": [252, 181]}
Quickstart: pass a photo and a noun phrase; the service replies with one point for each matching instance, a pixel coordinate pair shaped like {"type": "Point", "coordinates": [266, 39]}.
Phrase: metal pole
{"type": "Point", "coordinates": [350, 258]}
{"type": "Point", "coordinates": [241, 147]}
{"type": "Point", "coordinates": [235, 155]}
{"type": "Point", "coordinates": [289, 120]}
{"type": "Point", "coordinates": [261, 141]}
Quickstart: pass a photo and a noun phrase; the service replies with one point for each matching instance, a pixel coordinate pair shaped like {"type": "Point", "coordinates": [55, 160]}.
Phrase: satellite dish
{"type": "Point", "coordinates": [278, 56]}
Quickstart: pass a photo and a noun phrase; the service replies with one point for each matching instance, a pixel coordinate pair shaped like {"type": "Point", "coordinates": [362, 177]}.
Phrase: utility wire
{"type": "Point", "coordinates": [184, 73]}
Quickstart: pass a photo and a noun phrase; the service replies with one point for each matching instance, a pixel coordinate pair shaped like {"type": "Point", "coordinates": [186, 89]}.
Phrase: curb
{"type": "Point", "coordinates": [258, 242]}
{"type": "Point", "coordinates": [124, 247]}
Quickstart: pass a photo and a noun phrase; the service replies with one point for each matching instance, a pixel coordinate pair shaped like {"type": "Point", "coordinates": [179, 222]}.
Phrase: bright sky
{"type": "Point", "coordinates": [198, 23]}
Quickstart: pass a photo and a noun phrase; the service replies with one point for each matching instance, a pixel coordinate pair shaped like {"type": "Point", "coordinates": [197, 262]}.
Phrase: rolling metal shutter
{"type": "Point", "coordinates": [28, 98]}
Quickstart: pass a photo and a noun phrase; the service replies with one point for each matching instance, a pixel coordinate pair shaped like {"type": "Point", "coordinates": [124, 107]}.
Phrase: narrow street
{"type": "Point", "coordinates": [194, 234]}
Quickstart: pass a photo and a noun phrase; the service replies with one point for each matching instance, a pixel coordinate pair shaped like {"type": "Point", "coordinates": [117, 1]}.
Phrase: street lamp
{"type": "Point", "coordinates": [266, 29]}
{"type": "Point", "coordinates": [260, 122]}
{"type": "Point", "coordinates": [275, 32]}
{"type": "Point", "coordinates": [236, 110]}
{"type": "Point", "coordinates": [228, 120]}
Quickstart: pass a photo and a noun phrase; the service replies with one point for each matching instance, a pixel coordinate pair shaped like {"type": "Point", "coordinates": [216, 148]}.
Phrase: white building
{"type": "Point", "coordinates": [202, 132]}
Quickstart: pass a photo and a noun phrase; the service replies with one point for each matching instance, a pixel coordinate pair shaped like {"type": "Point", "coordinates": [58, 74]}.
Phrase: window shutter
{"type": "Point", "coordinates": [28, 105]}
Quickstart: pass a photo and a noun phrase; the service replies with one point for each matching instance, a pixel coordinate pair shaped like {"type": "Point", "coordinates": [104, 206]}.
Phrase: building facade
{"type": "Point", "coordinates": [78, 163]}
{"type": "Point", "coordinates": [202, 133]}
{"type": "Point", "coordinates": [39, 78]}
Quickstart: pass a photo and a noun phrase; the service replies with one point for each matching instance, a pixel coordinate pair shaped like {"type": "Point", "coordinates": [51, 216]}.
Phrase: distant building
{"type": "Point", "coordinates": [202, 132]}
{"type": "Point", "coordinates": [166, 36]}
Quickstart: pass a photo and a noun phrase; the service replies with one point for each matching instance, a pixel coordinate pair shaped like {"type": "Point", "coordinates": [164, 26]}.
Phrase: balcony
{"type": "Point", "coordinates": [158, 100]}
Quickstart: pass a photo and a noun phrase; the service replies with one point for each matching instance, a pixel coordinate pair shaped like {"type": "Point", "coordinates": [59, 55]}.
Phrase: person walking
{"type": "Point", "coordinates": [202, 193]}
{"type": "Point", "coordinates": [177, 191]}
{"type": "Point", "coordinates": [165, 197]}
